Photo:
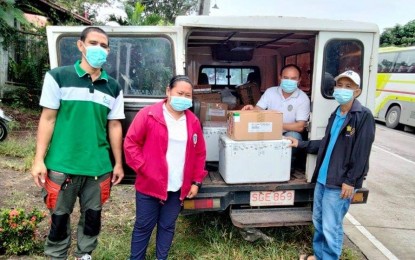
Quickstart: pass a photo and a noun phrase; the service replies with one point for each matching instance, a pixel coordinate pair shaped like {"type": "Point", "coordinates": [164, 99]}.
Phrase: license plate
{"type": "Point", "coordinates": [272, 198]}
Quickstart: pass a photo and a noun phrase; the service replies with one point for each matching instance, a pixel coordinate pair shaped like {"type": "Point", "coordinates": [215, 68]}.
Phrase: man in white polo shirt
{"type": "Point", "coordinates": [288, 99]}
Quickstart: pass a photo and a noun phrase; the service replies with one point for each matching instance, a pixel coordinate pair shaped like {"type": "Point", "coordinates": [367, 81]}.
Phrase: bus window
{"type": "Point", "coordinates": [386, 62]}
{"type": "Point", "coordinates": [339, 56]}
{"type": "Point", "coordinates": [405, 62]}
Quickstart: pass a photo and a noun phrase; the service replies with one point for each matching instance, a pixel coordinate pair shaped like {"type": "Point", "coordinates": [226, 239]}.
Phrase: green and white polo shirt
{"type": "Point", "coordinates": [79, 142]}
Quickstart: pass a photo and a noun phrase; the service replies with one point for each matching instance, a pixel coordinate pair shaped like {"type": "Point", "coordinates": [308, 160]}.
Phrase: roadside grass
{"type": "Point", "coordinates": [217, 238]}
{"type": "Point", "coordinates": [18, 152]}
{"type": "Point", "coordinates": [205, 236]}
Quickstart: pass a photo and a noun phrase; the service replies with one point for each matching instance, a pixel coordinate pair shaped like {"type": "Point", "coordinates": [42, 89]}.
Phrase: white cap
{"type": "Point", "coordinates": [351, 75]}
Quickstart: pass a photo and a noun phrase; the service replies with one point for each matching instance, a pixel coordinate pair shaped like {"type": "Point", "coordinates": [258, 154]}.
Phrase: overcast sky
{"type": "Point", "coordinates": [385, 13]}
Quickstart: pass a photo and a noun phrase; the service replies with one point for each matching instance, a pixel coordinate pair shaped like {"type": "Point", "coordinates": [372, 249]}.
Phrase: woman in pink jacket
{"type": "Point", "coordinates": [165, 147]}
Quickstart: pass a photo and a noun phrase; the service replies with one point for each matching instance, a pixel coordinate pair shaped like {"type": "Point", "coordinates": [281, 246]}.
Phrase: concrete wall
{"type": "Point", "coordinates": [3, 69]}
{"type": "Point", "coordinates": [4, 60]}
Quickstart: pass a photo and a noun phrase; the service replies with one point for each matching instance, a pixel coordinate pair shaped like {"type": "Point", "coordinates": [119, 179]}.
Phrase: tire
{"type": "Point", "coordinates": [3, 131]}
{"type": "Point", "coordinates": [392, 117]}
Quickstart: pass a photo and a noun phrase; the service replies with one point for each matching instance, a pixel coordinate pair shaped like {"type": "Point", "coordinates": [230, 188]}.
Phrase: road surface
{"type": "Point", "coordinates": [384, 228]}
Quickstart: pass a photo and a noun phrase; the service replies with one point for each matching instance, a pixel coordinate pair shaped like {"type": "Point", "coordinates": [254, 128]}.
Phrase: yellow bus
{"type": "Point", "coordinates": [395, 88]}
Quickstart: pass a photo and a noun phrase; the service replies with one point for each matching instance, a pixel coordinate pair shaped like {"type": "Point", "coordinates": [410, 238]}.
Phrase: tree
{"type": "Point", "coordinates": [167, 10]}
{"type": "Point", "coordinates": [136, 16]}
{"type": "Point", "coordinates": [399, 35]}
{"type": "Point", "coordinates": [80, 6]}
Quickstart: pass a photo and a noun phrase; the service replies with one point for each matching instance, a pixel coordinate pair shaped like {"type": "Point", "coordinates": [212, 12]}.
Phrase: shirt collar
{"type": "Point", "coordinates": [165, 110]}
{"type": "Point", "coordinates": [81, 72]}
{"type": "Point", "coordinates": [295, 94]}
{"type": "Point", "coordinates": [339, 114]}
{"type": "Point", "coordinates": [357, 106]}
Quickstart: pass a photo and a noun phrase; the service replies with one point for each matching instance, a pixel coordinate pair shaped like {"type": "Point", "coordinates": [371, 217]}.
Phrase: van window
{"type": "Point", "coordinates": [339, 56]}
{"type": "Point", "coordinates": [225, 76]}
{"type": "Point", "coordinates": [142, 65]}
{"type": "Point", "coordinates": [303, 61]}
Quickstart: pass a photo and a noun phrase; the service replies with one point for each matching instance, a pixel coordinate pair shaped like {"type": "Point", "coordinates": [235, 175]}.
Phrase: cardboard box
{"type": "Point", "coordinates": [254, 161]}
{"type": "Point", "coordinates": [245, 125]}
{"type": "Point", "coordinates": [249, 93]}
{"type": "Point", "coordinates": [214, 97]}
{"type": "Point", "coordinates": [211, 132]}
{"type": "Point", "coordinates": [213, 112]}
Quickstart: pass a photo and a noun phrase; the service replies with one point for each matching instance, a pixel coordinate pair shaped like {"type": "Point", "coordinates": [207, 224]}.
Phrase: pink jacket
{"type": "Point", "coordinates": [145, 148]}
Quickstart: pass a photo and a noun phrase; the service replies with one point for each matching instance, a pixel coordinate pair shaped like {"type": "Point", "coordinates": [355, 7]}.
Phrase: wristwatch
{"type": "Point", "coordinates": [198, 184]}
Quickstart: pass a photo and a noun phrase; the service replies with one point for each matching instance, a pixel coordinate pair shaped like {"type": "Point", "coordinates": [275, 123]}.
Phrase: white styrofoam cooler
{"type": "Point", "coordinates": [212, 130]}
{"type": "Point", "coordinates": [254, 161]}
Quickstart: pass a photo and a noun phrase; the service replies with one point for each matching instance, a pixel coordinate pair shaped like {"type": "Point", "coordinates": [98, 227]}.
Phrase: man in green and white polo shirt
{"type": "Point", "coordinates": [80, 102]}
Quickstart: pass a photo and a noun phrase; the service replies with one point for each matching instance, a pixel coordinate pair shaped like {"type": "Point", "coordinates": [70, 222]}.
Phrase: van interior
{"type": "Point", "coordinates": [229, 58]}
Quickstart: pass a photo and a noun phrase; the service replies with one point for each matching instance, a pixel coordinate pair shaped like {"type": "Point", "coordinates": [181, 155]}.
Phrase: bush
{"type": "Point", "coordinates": [18, 231]}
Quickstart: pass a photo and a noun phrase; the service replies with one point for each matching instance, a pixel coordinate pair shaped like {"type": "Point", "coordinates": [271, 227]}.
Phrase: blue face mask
{"type": "Point", "coordinates": [96, 56]}
{"type": "Point", "coordinates": [289, 85]}
{"type": "Point", "coordinates": [180, 103]}
{"type": "Point", "coordinates": [343, 95]}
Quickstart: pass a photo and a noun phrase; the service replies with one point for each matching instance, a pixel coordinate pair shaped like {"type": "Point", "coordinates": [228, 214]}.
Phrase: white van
{"type": "Point", "coordinates": [227, 50]}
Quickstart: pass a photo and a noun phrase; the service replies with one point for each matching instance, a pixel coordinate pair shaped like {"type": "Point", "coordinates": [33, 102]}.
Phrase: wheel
{"type": "Point", "coordinates": [3, 131]}
{"type": "Point", "coordinates": [392, 117]}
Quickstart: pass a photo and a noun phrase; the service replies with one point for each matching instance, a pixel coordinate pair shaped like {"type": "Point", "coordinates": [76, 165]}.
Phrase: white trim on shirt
{"type": "Point", "coordinates": [176, 149]}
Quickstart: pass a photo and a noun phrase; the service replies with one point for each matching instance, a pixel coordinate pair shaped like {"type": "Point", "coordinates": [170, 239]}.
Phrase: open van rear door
{"type": "Point", "coordinates": [142, 59]}
{"type": "Point", "coordinates": [336, 52]}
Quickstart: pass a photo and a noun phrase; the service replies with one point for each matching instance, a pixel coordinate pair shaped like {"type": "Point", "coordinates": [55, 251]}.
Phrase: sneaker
{"type": "Point", "coordinates": [84, 257]}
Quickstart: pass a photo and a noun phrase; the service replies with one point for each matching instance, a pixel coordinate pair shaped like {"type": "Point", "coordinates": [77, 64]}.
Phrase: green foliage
{"type": "Point", "coordinates": [168, 10]}
{"type": "Point", "coordinates": [27, 68]}
{"type": "Point", "coordinates": [136, 15]}
{"type": "Point", "coordinates": [399, 35]}
{"type": "Point", "coordinates": [7, 9]}
{"type": "Point", "coordinates": [18, 231]}
{"type": "Point", "coordinates": [148, 12]}
{"type": "Point", "coordinates": [78, 6]}
{"type": "Point", "coordinates": [8, 13]}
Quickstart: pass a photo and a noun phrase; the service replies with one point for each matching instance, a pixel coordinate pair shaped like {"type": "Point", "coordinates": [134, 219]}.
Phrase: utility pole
{"type": "Point", "coordinates": [204, 7]}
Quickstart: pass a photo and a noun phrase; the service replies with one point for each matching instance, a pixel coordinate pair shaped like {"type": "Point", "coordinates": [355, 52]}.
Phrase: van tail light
{"type": "Point", "coordinates": [209, 203]}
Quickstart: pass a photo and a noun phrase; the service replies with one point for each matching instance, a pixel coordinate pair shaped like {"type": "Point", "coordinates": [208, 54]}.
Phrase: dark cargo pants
{"type": "Point", "coordinates": [60, 194]}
